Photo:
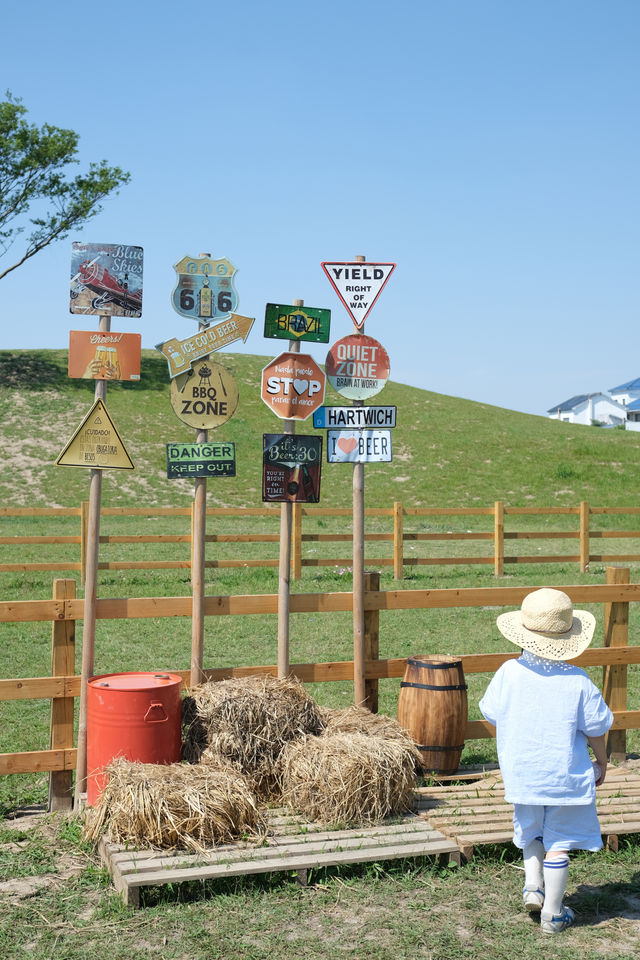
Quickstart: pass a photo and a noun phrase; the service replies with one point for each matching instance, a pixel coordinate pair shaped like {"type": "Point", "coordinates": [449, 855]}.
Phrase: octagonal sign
{"type": "Point", "coordinates": [293, 386]}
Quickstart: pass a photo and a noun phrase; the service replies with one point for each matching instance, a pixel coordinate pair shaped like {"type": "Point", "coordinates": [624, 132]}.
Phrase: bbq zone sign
{"type": "Point", "coordinates": [204, 397]}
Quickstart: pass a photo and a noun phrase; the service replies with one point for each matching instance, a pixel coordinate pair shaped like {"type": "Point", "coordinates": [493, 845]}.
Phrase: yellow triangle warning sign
{"type": "Point", "coordinates": [96, 443]}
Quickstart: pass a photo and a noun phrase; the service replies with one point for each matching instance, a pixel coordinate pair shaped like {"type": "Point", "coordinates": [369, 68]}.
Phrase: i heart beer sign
{"type": "Point", "coordinates": [293, 386]}
{"type": "Point", "coordinates": [359, 446]}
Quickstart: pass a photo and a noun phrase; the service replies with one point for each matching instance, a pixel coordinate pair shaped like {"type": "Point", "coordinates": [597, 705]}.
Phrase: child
{"type": "Point", "coordinates": [546, 711]}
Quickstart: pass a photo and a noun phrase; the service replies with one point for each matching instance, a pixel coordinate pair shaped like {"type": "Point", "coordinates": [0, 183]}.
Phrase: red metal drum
{"type": "Point", "coordinates": [132, 715]}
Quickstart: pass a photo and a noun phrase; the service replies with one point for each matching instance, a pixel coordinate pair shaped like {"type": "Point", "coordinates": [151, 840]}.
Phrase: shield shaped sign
{"type": "Point", "coordinates": [204, 289]}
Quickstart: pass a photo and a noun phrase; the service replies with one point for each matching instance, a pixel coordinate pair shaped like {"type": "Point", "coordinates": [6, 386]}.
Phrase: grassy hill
{"type": "Point", "coordinates": [446, 451]}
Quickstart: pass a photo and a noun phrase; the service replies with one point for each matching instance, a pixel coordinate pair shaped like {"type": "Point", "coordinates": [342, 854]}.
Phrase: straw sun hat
{"type": "Point", "coordinates": [548, 626]}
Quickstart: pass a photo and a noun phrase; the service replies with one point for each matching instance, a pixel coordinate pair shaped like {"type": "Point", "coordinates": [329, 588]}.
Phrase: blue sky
{"type": "Point", "coordinates": [491, 149]}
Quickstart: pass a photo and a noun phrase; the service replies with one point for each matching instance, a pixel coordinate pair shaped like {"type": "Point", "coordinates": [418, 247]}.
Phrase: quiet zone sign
{"type": "Point", "coordinates": [357, 366]}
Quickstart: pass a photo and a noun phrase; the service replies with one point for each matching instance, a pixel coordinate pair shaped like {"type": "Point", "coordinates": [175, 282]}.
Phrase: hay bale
{"type": "Point", "coordinates": [348, 778]}
{"type": "Point", "coordinates": [247, 721]}
{"type": "Point", "coordinates": [360, 720]}
{"type": "Point", "coordinates": [173, 806]}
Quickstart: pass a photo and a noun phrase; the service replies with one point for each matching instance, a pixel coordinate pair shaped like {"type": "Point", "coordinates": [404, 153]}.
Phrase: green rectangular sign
{"type": "Point", "coordinates": [297, 323]}
{"type": "Point", "coordinates": [216, 459]}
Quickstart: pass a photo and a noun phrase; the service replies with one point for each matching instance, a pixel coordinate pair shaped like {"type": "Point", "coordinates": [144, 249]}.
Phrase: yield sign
{"type": "Point", "coordinates": [358, 285]}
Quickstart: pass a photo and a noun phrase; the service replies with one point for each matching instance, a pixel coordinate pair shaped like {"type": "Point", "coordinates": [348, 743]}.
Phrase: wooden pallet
{"type": "Point", "coordinates": [293, 843]}
{"type": "Point", "coordinates": [476, 814]}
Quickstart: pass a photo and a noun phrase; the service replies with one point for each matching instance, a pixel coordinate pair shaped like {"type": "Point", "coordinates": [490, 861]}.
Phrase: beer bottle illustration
{"type": "Point", "coordinates": [205, 301]}
{"type": "Point", "coordinates": [307, 485]}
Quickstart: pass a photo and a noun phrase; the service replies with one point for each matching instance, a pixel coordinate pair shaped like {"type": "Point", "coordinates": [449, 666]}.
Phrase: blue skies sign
{"type": "Point", "coordinates": [106, 279]}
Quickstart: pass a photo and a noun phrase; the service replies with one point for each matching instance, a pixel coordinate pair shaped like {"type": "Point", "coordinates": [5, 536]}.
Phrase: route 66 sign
{"type": "Point", "coordinates": [204, 290]}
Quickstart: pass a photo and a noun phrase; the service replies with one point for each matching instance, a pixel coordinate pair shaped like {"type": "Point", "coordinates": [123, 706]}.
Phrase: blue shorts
{"type": "Point", "coordinates": [568, 827]}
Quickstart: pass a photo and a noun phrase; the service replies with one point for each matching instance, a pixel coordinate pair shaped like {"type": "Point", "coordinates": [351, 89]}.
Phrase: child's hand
{"type": "Point", "coordinates": [599, 772]}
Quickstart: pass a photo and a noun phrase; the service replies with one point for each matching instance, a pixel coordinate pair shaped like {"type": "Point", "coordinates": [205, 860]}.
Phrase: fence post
{"type": "Point", "coordinates": [398, 540]}
{"type": "Point", "coordinates": [84, 532]}
{"type": "Point", "coordinates": [296, 541]}
{"type": "Point", "coordinates": [614, 676]}
{"type": "Point", "coordinates": [371, 640]}
{"type": "Point", "coordinates": [498, 538]}
{"type": "Point", "coordinates": [585, 547]}
{"type": "Point", "coordinates": [63, 637]}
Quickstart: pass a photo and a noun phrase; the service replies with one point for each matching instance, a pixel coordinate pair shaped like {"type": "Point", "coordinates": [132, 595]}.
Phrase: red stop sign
{"type": "Point", "coordinates": [293, 386]}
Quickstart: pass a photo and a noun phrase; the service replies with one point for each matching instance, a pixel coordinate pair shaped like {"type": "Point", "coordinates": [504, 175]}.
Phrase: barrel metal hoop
{"type": "Point", "coordinates": [433, 686]}
{"type": "Point", "coordinates": [434, 665]}
{"type": "Point", "coordinates": [441, 749]}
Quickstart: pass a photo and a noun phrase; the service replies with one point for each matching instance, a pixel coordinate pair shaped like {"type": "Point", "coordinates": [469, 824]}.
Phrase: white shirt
{"type": "Point", "coordinates": [543, 711]}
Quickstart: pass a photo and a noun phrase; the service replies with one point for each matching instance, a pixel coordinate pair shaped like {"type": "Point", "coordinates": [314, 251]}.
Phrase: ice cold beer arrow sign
{"type": "Point", "coordinates": [358, 285]}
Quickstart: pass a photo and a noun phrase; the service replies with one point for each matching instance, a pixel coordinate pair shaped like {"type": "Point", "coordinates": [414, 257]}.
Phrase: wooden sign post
{"type": "Point", "coordinates": [359, 686]}
{"type": "Point", "coordinates": [90, 597]}
{"type": "Point", "coordinates": [358, 285]}
{"type": "Point", "coordinates": [284, 564]}
{"type": "Point", "coordinates": [203, 395]}
{"type": "Point", "coordinates": [198, 541]}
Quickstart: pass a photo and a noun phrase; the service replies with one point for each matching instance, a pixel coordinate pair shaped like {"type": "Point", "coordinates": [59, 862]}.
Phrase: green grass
{"type": "Point", "coordinates": [447, 452]}
{"type": "Point", "coordinates": [411, 908]}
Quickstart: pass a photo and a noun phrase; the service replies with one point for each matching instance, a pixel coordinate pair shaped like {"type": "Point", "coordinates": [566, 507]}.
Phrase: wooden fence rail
{"type": "Point", "coordinates": [399, 536]}
{"type": "Point", "coordinates": [64, 609]}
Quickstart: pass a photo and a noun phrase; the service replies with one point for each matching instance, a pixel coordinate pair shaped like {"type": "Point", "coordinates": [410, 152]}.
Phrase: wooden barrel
{"type": "Point", "coordinates": [432, 707]}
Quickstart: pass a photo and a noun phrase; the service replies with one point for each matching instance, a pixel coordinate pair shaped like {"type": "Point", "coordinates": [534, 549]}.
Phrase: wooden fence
{"type": "Point", "coordinates": [64, 609]}
{"type": "Point", "coordinates": [400, 517]}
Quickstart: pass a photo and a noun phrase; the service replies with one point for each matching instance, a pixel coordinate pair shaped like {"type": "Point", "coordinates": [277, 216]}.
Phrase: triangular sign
{"type": "Point", "coordinates": [358, 285]}
{"type": "Point", "coordinates": [96, 443]}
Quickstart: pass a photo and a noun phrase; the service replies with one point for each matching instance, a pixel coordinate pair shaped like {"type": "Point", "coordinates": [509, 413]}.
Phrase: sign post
{"type": "Point", "coordinates": [106, 279]}
{"type": "Point", "coordinates": [90, 597]}
{"type": "Point", "coordinates": [293, 387]}
{"type": "Point", "coordinates": [284, 562]}
{"type": "Point", "coordinates": [358, 367]}
{"type": "Point", "coordinates": [203, 395]}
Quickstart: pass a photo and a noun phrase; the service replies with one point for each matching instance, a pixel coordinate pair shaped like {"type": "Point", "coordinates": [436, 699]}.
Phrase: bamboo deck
{"type": "Point", "coordinates": [476, 813]}
{"type": "Point", "coordinates": [293, 843]}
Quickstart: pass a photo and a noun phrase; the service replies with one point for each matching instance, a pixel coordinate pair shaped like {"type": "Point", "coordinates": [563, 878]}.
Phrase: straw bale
{"type": "Point", "coordinates": [360, 720]}
{"type": "Point", "coordinates": [348, 778]}
{"type": "Point", "coordinates": [247, 721]}
{"type": "Point", "coordinates": [173, 806]}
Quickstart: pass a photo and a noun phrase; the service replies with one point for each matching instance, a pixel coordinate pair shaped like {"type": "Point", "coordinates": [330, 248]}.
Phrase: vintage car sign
{"type": "Point", "coordinates": [186, 460]}
{"type": "Point", "coordinates": [96, 443]}
{"type": "Point", "coordinates": [204, 397]}
{"type": "Point", "coordinates": [358, 284]}
{"type": "Point", "coordinates": [291, 467]}
{"type": "Point", "coordinates": [357, 366]}
{"type": "Point", "coordinates": [105, 355]}
{"type": "Point", "coordinates": [297, 323]}
{"type": "Point", "coordinates": [106, 278]}
{"type": "Point", "coordinates": [359, 446]}
{"type": "Point", "coordinates": [356, 417]}
{"type": "Point", "coordinates": [204, 290]}
{"type": "Point", "coordinates": [293, 386]}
